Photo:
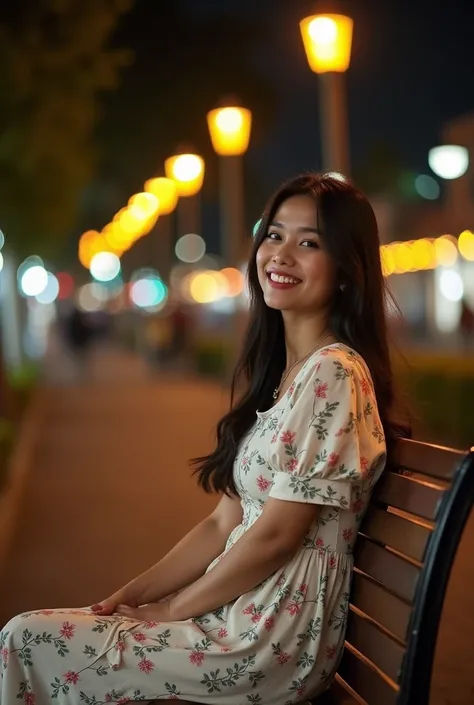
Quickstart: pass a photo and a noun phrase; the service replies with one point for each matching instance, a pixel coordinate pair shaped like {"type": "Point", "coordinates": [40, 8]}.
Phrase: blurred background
{"type": "Point", "coordinates": [139, 142]}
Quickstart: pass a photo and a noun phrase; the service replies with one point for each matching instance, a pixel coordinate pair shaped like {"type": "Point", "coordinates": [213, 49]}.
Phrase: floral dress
{"type": "Point", "coordinates": [278, 643]}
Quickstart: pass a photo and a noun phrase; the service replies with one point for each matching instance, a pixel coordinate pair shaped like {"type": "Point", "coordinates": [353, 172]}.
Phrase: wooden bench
{"type": "Point", "coordinates": [403, 558]}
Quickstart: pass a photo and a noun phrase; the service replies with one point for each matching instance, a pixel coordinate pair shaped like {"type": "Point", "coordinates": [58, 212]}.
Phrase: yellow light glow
{"type": "Point", "coordinates": [424, 254]}
{"type": "Point", "coordinates": [387, 259]}
{"type": "Point", "coordinates": [235, 281]}
{"type": "Point", "coordinates": [90, 244]}
{"type": "Point", "coordinates": [165, 191]}
{"type": "Point", "coordinates": [466, 245]}
{"type": "Point", "coordinates": [403, 258]}
{"type": "Point", "coordinates": [327, 41]}
{"type": "Point", "coordinates": [147, 203]}
{"type": "Point", "coordinates": [446, 250]}
{"type": "Point", "coordinates": [187, 170]}
{"type": "Point", "coordinates": [229, 129]}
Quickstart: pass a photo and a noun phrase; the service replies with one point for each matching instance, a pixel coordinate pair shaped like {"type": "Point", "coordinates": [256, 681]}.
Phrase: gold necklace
{"type": "Point", "coordinates": [302, 359]}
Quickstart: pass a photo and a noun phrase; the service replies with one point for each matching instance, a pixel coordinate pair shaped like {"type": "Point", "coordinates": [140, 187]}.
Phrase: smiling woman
{"type": "Point", "coordinates": [250, 606]}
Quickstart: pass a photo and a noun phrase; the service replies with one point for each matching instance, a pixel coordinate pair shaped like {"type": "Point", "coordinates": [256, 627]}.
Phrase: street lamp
{"type": "Point", "coordinates": [166, 191]}
{"type": "Point", "coordinates": [449, 161]}
{"type": "Point", "coordinates": [229, 129]}
{"type": "Point", "coordinates": [327, 41]}
{"type": "Point", "coordinates": [187, 171]}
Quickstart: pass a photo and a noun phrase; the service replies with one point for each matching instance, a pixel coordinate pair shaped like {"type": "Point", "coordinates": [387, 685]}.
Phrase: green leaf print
{"type": "Point", "coordinates": [321, 418]}
{"type": "Point", "coordinates": [26, 636]}
{"type": "Point", "coordinates": [255, 699]}
{"type": "Point", "coordinates": [306, 660]}
{"type": "Point", "coordinates": [336, 621]}
{"type": "Point", "coordinates": [341, 371]}
{"type": "Point", "coordinates": [214, 682]}
{"type": "Point", "coordinates": [250, 634]}
{"type": "Point", "coordinates": [313, 630]}
{"type": "Point", "coordinates": [89, 651]}
{"type": "Point", "coordinates": [101, 625]}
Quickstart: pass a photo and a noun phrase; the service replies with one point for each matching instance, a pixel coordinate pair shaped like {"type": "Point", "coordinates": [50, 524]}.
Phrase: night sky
{"type": "Point", "coordinates": [412, 69]}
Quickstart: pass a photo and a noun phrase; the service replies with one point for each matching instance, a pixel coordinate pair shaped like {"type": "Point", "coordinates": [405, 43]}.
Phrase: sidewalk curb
{"type": "Point", "coordinates": [18, 468]}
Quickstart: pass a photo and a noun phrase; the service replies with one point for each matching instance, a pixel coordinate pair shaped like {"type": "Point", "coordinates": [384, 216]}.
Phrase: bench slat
{"type": "Point", "coordinates": [365, 681]}
{"type": "Point", "coordinates": [409, 494]}
{"type": "Point", "coordinates": [379, 648]}
{"type": "Point", "coordinates": [399, 576]}
{"type": "Point", "coordinates": [397, 532]}
{"type": "Point", "coordinates": [427, 459]}
{"type": "Point", "coordinates": [379, 604]}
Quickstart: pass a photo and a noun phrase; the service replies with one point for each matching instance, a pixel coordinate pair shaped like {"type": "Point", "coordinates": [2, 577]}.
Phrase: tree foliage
{"type": "Point", "coordinates": [55, 61]}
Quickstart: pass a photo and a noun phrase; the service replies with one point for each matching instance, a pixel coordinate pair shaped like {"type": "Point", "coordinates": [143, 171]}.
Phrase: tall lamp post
{"type": "Point", "coordinates": [187, 171]}
{"type": "Point", "coordinates": [166, 192]}
{"type": "Point", "coordinates": [229, 129]}
{"type": "Point", "coordinates": [327, 41]}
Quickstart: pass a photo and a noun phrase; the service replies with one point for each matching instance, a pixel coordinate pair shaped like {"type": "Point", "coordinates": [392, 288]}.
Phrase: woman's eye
{"type": "Point", "coordinates": [310, 243]}
{"type": "Point", "coordinates": [273, 236]}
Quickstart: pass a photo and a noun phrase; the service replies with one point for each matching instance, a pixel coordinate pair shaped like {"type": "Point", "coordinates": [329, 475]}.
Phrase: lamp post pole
{"type": "Point", "coordinates": [327, 41]}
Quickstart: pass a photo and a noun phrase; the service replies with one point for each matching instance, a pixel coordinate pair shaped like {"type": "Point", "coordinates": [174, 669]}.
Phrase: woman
{"type": "Point", "coordinates": [250, 606]}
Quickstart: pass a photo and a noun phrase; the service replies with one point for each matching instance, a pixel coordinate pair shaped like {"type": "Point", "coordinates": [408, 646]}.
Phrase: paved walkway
{"type": "Point", "coordinates": [110, 491]}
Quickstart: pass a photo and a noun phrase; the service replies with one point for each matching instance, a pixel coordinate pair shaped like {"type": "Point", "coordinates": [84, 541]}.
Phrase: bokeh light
{"type": "Point", "coordinates": [235, 281]}
{"type": "Point", "coordinates": [165, 191]}
{"type": "Point", "coordinates": [66, 285]}
{"type": "Point", "coordinates": [451, 285]}
{"type": "Point", "coordinates": [148, 293]}
{"type": "Point", "coordinates": [105, 266]}
{"type": "Point", "coordinates": [2, 239]}
{"type": "Point", "coordinates": [50, 292]}
{"type": "Point", "coordinates": [466, 245]}
{"type": "Point", "coordinates": [427, 187]}
{"type": "Point", "coordinates": [190, 248]}
{"type": "Point", "coordinates": [449, 161]}
{"type": "Point", "coordinates": [1, 262]}
{"type": "Point", "coordinates": [92, 297]}
{"type": "Point", "coordinates": [34, 280]}
{"type": "Point", "coordinates": [147, 203]}
{"type": "Point", "coordinates": [446, 250]}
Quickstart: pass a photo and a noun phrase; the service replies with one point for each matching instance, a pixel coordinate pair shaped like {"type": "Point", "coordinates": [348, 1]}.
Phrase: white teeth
{"type": "Point", "coordinates": [283, 280]}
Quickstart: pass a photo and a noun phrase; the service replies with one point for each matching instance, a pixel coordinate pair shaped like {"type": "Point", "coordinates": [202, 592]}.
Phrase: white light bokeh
{"type": "Point", "coordinates": [50, 292]}
{"type": "Point", "coordinates": [34, 280]}
{"type": "Point", "coordinates": [105, 266]}
{"type": "Point", "coordinates": [449, 161]}
{"type": "Point", "coordinates": [92, 297]}
{"type": "Point", "coordinates": [190, 248]}
{"type": "Point", "coordinates": [1, 261]}
{"type": "Point", "coordinates": [451, 285]}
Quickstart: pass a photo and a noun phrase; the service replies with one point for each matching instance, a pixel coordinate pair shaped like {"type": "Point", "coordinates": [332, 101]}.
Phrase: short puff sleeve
{"type": "Point", "coordinates": [330, 447]}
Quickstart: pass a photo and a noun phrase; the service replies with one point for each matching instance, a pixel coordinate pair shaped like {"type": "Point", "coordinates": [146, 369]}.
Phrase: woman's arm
{"type": "Point", "coordinates": [266, 546]}
{"type": "Point", "coordinates": [189, 559]}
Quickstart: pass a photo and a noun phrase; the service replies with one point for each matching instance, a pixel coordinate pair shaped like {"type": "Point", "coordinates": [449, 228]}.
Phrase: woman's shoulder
{"type": "Point", "coordinates": [337, 358]}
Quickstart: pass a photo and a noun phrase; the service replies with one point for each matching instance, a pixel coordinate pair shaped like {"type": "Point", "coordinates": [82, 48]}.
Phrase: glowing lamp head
{"type": "Point", "coordinates": [327, 41]}
{"type": "Point", "coordinates": [229, 129]}
{"type": "Point", "coordinates": [187, 171]}
{"type": "Point", "coordinates": [449, 161]}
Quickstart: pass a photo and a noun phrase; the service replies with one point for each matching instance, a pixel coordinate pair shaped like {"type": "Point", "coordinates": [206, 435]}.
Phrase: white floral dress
{"type": "Point", "coordinates": [278, 643]}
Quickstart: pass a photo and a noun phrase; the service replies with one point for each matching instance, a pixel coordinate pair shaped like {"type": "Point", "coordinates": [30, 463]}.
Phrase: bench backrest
{"type": "Point", "coordinates": [403, 557]}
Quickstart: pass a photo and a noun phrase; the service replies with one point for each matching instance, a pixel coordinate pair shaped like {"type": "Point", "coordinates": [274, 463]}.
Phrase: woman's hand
{"type": "Point", "coordinates": [110, 604]}
{"type": "Point", "coordinates": [153, 612]}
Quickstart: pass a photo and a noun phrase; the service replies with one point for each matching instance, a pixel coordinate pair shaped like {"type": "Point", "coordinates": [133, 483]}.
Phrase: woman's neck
{"type": "Point", "coordinates": [304, 335]}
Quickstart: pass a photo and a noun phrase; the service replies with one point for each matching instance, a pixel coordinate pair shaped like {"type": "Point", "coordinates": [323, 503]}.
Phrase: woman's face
{"type": "Point", "coordinates": [294, 270]}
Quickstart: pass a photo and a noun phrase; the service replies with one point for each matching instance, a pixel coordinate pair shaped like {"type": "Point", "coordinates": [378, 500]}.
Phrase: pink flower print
{"type": "Point", "coordinates": [288, 437]}
{"type": "Point", "coordinates": [225, 649]}
{"type": "Point", "coordinates": [301, 690]}
{"type": "Point", "coordinates": [108, 698]}
{"type": "Point", "coordinates": [293, 608]}
{"type": "Point", "coordinates": [139, 636]}
{"type": "Point", "coordinates": [150, 625]}
{"type": "Point", "coordinates": [4, 654]}
{"type": "Point", "coordinates": [262, 483]}
{"type": "Point", "coordinates": [292, 464]}
{"type": "Point", "coordinates": [269, 623]}
{"type": "Point", "coordinates": [333, 459]}
{"type": "Point", "coordinates": [249, 609]}
{"type": "Point", "coordinates": [196, 657]}
{"type": "Point", "coordinates": [46, 613]}
{"type": "Point", "coordinates": [347, 534]}
{"type": "Point", "coordinates": [281, 580]}
{"type": "Point", "coordinates": [332, 563]}
{"type": "Point", "coordinates": [222, 633]}
{"type": "Point", "coordinates": [67, 630]}
{"type": "Point", "coordinates": [283, 658]}
{"type": "Point", "coordinates": [364, 463]}
{"type": "Point", "coordinates": [245, 460]}
{"type": "Point", "coordinates": [29, 699]}
{"type": "Point", "coordinates": [71, 677]}
{"type": "Point", "coordinates": [256, 617]}
{"type": "Point", "coordinates": [340, 432]}
{"type": "Point", "coordinates": [365, 386]}
{"type": "Point", "coordinates": [320, 390]}
{"type": "Point", "coordinates": [303, 588]}
{"type": "Point", "coordinates": [358, 505]}
{"type": "Point", "coordinates": [331, 652]}
{"type": "Point", "coordinates": [274, 438]}
{"type": "Point", "coordinates": [324, 353]}
{"type": "Point", "coordinates": [291, 389]}
{"type": "Point", "coordinates": [145, 665]}
{"type": "Point", "coordinates": [319, 542]}
{"type": "Point", "coordinates": [123, 701]}
{"type": "Point", "coordinates": [120, 646]}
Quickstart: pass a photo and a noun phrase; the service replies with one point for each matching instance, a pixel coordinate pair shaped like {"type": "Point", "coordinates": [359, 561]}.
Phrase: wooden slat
{"type": "Point", "coordinates": [409, 494]}
{"type": "Point", "coordinates": [427, 459]}
{"type": "Point", "coordinates": [394, 531]}
{"type": "Point", "coordinates": [379, 648]}
{"type": "Point", "coordinates": [379, 604]}
{"type": "Point", "coordinates": [398, 575]}
{"type": "Point", "coordinates": [342, 694]}
{"type": "Point", "coordinates": [371, 686]}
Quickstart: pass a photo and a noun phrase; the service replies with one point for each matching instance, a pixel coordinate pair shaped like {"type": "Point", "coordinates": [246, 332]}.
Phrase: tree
{"type": "Point", "coordinates": [55, 61]}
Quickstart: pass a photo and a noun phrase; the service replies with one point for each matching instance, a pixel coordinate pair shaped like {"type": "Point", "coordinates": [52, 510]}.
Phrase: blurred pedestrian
{"type": "Point", "coordinates": [251, 605]}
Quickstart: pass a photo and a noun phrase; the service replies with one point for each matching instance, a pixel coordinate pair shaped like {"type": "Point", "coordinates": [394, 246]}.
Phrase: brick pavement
{"type": "Point", "coordinates": [110, 491]}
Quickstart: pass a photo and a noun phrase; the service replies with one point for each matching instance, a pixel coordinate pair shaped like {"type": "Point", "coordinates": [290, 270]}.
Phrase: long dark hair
{"type": "Point", "coordinates": [357, 318]}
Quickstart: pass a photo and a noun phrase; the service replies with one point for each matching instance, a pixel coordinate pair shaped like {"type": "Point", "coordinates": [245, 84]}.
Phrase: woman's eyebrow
{"type": "Point", "coordinates": [302, 229]}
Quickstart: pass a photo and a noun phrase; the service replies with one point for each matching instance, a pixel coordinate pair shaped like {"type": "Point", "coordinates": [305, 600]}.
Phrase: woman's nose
{"type": "Point", "coordinates": [284, 255]}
